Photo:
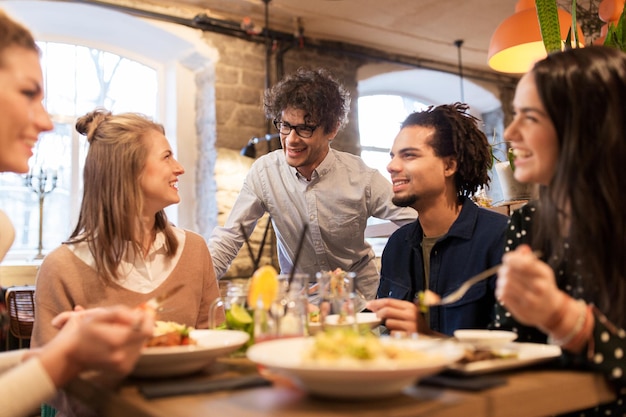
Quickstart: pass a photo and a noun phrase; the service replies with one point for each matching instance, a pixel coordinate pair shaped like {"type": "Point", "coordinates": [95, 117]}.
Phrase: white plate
{"type": "Point", "coordinates": [367, 380]}
{"type": "Point", "coordinates": [365, 319]}
{"type": "Point", "coordinates": [527, 354]}
{"type": "Point", "coordinates": [485, 338]}
{"type": "Point", "coordinates": [180, 360]}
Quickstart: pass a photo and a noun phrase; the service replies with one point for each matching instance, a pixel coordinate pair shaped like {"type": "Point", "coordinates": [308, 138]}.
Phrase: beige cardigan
{"type": "Point", "coordinates": [64, 281]}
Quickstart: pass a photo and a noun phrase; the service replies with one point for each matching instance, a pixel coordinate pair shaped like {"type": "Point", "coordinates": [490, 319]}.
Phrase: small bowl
{"type": "Point", "coordinates": [485, 339]}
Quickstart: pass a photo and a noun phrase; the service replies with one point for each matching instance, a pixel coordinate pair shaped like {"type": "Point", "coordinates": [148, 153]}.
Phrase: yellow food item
{"type": "Point", "coordinates": [337, 283]}
{"type": "Point", "coordinates": [314, 316]}
{"type": "Point", "coordinates": [349, 348]}
{"type": "Point", "coordinates": [425, 299]}
{"type": "Point", "coordinates": [263, 287]}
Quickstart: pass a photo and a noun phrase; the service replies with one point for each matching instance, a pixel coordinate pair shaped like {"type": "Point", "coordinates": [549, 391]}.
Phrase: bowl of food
{"type": "Point", "coordinates": [347, 365]}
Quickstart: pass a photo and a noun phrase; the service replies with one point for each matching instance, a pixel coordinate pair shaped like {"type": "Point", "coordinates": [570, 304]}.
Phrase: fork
{"type": "Point", "coordinates": [156, 303]}
{"type": "Point", "coordinates": [460, 292]}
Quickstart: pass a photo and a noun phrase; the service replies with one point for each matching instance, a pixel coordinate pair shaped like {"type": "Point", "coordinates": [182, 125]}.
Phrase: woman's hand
{"type": "Point", "coordinates": [526, 286]}
{"type": "Point", "coordinates": [108, 339]}
{"type": "Point", "coordinates": [62, 318]}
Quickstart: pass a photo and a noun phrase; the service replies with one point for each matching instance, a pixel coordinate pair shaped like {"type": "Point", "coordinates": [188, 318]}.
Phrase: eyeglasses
{"type": "Point", "coordinates": [304, 131]}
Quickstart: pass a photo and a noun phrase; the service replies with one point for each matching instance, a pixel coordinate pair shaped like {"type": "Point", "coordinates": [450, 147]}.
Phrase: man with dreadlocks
{"type": "Point", "coordinates": [439, 159]}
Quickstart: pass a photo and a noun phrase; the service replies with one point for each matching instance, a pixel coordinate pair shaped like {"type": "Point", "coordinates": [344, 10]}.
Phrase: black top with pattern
{"type": "Point", "coordinates": [605, 355]}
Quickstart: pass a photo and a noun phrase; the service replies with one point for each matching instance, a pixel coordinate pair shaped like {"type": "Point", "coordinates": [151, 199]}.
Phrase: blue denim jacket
{"type": "Point", "coordinates": [474, 243]}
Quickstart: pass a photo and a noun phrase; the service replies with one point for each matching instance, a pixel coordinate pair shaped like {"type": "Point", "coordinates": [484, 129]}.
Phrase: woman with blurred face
{"type": "Point", "coordinates": [22, 115]}
{"type": "Point", "coordinates": [109, 338]}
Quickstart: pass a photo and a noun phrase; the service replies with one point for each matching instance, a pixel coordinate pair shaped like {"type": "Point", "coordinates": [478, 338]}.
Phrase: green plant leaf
{"type": "Point", "coordinates": [620, 30]}
{"type": "Point", "coordinates": [549, 24]}
{"type": "Point", "coordinates": [616, 34]}
{"type": "Point", "coordinates": [609, 40]}
{"type": "Point", "coordinates": [511, 158]}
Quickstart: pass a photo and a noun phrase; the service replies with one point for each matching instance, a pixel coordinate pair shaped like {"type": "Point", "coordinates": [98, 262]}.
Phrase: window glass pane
{"type": "Point", "coordinates": [79, 79]}
{"type": "Point", "coordinates": [135, 91]}
{"type": "Point", "coordinates": [378, 160]}
{"type": "Point", "coordinates": [380, 117]}
{"type": "Point", "coordinates": [58, 63]}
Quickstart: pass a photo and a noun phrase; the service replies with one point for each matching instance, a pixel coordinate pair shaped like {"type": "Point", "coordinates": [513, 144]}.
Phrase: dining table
{"type": "Point", "coordinates": [539, 390]}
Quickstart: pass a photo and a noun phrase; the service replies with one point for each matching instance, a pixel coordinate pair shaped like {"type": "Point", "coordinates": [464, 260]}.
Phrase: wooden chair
{"type": "Point", "coordinates": [21, 309]}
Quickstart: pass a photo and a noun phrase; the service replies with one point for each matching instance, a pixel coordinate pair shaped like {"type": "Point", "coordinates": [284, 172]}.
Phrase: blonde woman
{"type": "Point", "coordinates": [123, 249]}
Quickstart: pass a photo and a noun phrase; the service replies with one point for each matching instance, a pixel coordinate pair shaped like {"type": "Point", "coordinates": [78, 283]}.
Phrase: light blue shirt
{"type": "Point", "coordinates": [342, 194]}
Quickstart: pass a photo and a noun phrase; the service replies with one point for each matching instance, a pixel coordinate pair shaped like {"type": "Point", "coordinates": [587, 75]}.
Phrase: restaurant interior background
{"type": "Point", "coordinates": [207, 63]}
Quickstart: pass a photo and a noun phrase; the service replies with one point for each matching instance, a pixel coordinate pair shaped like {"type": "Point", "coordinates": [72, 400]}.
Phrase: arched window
{"type": "Point", "coordinates": [387, 95]}
{"type": "Point", "coordinates": [184, 72]}
{"type": "Point", "coordinates": [77, 80]}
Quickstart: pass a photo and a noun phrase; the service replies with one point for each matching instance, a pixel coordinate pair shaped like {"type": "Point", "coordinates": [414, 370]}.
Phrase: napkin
{"type": "Point", "coordinates": [178, 387]}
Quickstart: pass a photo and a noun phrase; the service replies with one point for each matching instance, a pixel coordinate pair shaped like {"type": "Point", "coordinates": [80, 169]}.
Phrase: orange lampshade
{"type": "Point", "coordinates": [517, 44]}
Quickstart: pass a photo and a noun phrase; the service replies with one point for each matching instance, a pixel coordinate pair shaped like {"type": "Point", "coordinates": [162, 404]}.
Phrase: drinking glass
{"type": "Point", "coordinates": [337, 299]}
{"type": "Point", "coordinates": [238, 315]}
{"type": "Point", "coordinates": [287, 315]}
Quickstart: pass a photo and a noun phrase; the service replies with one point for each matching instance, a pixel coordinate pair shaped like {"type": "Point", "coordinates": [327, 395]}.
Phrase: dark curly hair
{"type": "Point", "coordinates": [457, 134]}
{"type": "Point", "coordinates": [324, 100]}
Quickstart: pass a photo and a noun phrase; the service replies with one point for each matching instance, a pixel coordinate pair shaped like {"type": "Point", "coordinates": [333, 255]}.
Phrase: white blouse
{"type": "Point", "coordinates": [138, 273]}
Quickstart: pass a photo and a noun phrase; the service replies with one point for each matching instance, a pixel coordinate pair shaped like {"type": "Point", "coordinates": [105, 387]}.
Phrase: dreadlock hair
{"type": "Point", "coordinates": [457, 135]}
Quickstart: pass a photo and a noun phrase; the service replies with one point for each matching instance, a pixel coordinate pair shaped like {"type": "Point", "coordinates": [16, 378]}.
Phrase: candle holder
{"type": "Point", "coordinates": [41, 184]}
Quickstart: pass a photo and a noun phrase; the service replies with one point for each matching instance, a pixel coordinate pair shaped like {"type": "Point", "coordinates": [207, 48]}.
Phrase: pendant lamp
{"type": "Point", "coordinates": [517, 44]}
